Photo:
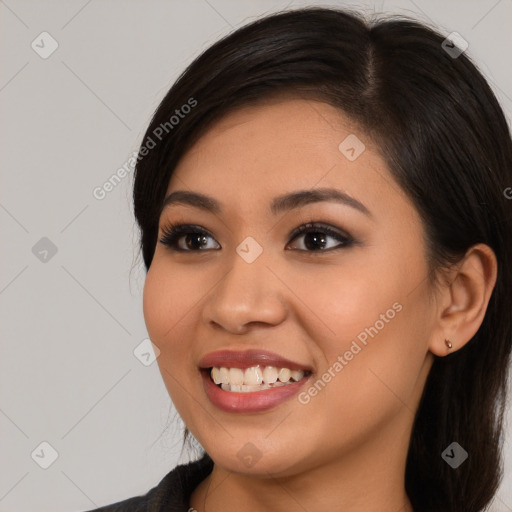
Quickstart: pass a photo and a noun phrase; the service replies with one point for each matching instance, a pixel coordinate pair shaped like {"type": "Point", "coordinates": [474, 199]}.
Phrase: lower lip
{"type": "Point", "coordinates": [253, 401]}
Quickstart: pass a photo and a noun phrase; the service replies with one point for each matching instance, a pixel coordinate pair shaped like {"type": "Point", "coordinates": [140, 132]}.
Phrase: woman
{"type": "Point", "coordinates": [325, 217]}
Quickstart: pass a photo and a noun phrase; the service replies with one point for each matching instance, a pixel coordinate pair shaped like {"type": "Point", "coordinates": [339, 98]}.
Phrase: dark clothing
{"type": "Point", "coordinates": [172, 494]}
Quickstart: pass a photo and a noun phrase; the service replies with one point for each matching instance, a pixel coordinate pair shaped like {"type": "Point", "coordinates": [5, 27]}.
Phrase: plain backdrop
{"type": "Point", "coordinates": [76, 394]}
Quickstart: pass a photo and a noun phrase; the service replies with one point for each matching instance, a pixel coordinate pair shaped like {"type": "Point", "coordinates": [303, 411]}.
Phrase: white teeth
{"type": "Point", "coordinates": [224, 375]}
{"type": "Point", "coordinates": [236, 376]}
{"type": "Point", "coordinates": [216, 375]}
{"type": "Point", "coordinates": [248, 389]}
{"type": "Point", "coordinates": [254, 378]}
{"type": "Point", "coordinates": [269, 374]}
{"type": "Point", "coordinates": [297, 375]}
{"type": "Point", "coordinates": [244, 388]}
{"type": "Point", "coordinates": [285, 374]}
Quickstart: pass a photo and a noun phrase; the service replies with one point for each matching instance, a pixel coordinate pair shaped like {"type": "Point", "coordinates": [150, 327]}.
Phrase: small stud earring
{"type": "Point", "coordinates": [448, 343]}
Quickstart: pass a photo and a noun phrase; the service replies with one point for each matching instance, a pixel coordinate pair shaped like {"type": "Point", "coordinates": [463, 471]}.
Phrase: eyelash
{"type": "Point", "coordinates": [173, 232]}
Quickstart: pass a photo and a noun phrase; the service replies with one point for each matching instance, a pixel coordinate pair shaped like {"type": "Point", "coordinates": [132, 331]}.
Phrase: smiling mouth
{"type": "Point", "coordinates": [255, 378]}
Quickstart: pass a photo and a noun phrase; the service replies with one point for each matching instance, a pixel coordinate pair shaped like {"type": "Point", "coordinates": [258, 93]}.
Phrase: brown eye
{"type": "Point", "coordinates": [316, 237]}
{"type": "Point", "coordinates": [185, 238]}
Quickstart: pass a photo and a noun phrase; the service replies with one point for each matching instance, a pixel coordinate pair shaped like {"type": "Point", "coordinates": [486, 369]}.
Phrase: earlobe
{"type": "Point", "coordinates": [438, 349]}
{"type": "Point", "coordinates": [466, 298]}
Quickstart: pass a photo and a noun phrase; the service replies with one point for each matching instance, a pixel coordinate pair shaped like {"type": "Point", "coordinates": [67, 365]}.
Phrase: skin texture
{"type": "Point", "coordinates": [345, 449]}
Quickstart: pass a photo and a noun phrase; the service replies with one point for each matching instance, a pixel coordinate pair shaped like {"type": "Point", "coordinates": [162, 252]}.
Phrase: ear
{"type": "Point", "coordinates": [462, 301]}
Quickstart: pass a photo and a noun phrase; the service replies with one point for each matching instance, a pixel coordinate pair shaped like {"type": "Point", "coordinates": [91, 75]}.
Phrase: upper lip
{"type": "Point", "coordinates": [247, 358]}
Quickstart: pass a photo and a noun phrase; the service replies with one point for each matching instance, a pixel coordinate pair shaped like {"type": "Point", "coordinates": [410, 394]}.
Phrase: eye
{"type": "Point", "coordinates": [190, 238]}
{"type": "Point", "coordinates": [194, 237]}
{"type": "Point", "coordinates": [316, 235]}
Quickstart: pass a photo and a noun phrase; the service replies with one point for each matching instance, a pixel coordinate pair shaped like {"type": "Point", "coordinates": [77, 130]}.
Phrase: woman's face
{"type": "Point", "coordinates": [355, 312]}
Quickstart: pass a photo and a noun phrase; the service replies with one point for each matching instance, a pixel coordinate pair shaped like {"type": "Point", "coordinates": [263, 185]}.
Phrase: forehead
{"type": "Point", "coordinates": [258, 152]}
{"type": "Point", "coordinates": [276, 131]}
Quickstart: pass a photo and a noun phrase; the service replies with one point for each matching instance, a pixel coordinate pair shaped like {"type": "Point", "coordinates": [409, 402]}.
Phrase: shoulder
{"type": "Point", "coordinates": [135, 504]}
{"type": "Point", "coordinates": [172, 493]}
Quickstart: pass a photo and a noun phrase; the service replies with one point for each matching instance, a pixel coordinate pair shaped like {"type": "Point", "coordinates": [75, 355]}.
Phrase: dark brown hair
{"type": "Point", "coordinates": [446, 141]}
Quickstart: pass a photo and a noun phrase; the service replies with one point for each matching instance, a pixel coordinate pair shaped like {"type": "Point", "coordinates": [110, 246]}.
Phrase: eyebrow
{"type": "Point", "coordinates": [279, 204]}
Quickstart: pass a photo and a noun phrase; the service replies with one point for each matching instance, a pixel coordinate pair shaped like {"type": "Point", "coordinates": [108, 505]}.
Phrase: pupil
{"type": "Point", "coordinates": [316, 237]}
{"type": "Point", "coordinates": [200, 239]}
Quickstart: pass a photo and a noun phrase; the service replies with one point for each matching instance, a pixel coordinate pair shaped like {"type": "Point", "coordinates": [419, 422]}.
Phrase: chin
{"type": "Point", "coordinates": [256, 459]}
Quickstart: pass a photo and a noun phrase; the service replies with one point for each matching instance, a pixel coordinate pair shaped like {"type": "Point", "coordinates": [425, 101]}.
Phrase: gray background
{"type": "Point", "coordinates": [70, 321]}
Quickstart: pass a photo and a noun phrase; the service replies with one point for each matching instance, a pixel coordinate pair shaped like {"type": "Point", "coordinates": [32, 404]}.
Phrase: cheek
{"type": "Point", "coordinates": [368, 388]}
{"type": "Point", "coordinates": [168, 298]}
{"type": "Point", "coordinates": [377, 327]}
{"type": "Point", "coordinates": [168, 314]}
{"type": "Point", "coordinates": [342, 300]}
{"type": "Point", "coordinates": [154, 303]}
{"type": "Point", "coordinates": [381, 362]}
{"type": "Point", "coordinates": [168, 311]}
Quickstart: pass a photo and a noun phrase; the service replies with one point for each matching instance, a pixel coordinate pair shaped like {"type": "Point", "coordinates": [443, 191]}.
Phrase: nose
{"type": "Point", "coordinates": [249, 294]}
